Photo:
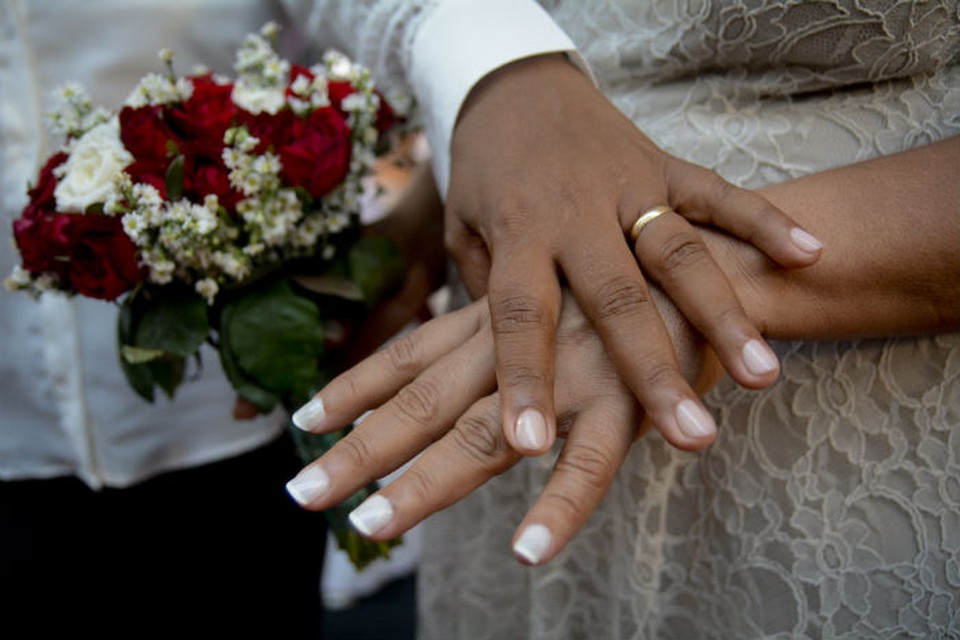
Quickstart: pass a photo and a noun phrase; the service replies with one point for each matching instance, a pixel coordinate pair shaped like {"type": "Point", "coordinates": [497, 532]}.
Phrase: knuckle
{"type": "Point", "coordinates": [480, 437]}
{"type": "Point", "coordinates": [765, 217]}
{"type": "Point", "coordinates": [404, 354]}
{"type": "Point", "coordinates": [356, 450]}
{"type": "Point", "coordinates": [517, 313]}
{"type": "Point", "coordinates": [419, 402]}
{"type": "Point", "coordinates": [351, 383]}
{"type": "Point", "coordinates": [728, 315]}
{"type": "Point", "coordinates": [658, 374]}
{"type": "Point", "coordinates": [565, 506]}
{"type": "Point", "coordinates": [586, 464]}
{"type": "Point", "coordinates": [720, 189]}
{"type": "Point", "coordinates": [511, 374]}
{"type": "Point", "coordinates": [620, 296]}
{"type": "Point", "coordinates": [424, 486]}
{"type": "Point", "coordinates": [681, 251]}
{"type": "Point", "coordinates": [509, 224]}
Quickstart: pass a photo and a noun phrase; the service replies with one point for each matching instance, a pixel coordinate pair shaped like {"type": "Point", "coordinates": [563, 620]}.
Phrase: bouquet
{"type": "Point", "coordinates": [221, 211]}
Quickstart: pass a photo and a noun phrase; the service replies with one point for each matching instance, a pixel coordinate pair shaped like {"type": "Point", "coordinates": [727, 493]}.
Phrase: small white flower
{"type": "Point", "coordinates": [19, 279]}
{"type": "Point", "coordinates": [208, 288]}
{"type": "Point", "coordinates": [258, 99]}
{"type": "Point", "coordinates": [134, 225]}
{"type": "Point", "coordinates": [301, 86]}
{"type": "Point", "coordinates": [270, 30]}
{"type": "Point", "coordinates": [91, 170]}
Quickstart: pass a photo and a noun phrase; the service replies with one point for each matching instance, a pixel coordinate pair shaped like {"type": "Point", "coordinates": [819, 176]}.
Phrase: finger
{"type": "Point", "coordinates": [703, 196]}
{"type": "Point", "coordinates": [524, 300]}
{"type": "Point", "coordinates": [469, 253]}
{"type": "Point", "coordinates": [673, 253]}
{"type": "Point", "coordinates": [597, 445]}
{"type": "Point", "coordinates": [374, 380]}
{"type": "Point", "coordinates": [469, 455]}
{"type": "Point", "coordinates": [420, 413]}
{"type": "Point", "coordinates": [618, 302]}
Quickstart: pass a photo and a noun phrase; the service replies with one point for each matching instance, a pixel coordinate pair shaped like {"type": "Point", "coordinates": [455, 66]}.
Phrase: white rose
{"type": "Point", "coordinates": [88, 175]}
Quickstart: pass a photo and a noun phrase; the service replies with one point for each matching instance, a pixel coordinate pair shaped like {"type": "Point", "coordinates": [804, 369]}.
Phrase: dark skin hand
{"type": "Point", "coordinates": [547, 179]}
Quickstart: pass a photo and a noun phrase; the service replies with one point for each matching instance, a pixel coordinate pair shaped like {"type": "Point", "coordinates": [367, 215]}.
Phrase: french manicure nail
{"type": "Point", "coordinates": [533, 543]}
{"type": "Point", "coordinates": [758, 358]}
{"type": "Point", "coordinates": [531, 430]}
{"type": "Point", "coordinates": [309, 417]}
{"type": "Point", "coordinates": [371, 516]}
{"type": "Point", "coordinates": [804, 240]}
{"type": "Point", "coordinates": [308, 485]}
{"type": "Point", "coordinates": [693, 420]}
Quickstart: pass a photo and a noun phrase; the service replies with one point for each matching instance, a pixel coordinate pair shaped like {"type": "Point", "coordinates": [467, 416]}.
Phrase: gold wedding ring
{"type": "Point", "coordinates": [646, 218]}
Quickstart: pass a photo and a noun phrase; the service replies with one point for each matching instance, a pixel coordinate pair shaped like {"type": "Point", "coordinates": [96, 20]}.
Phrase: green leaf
{"type": "Point", "coordinates": [259, 397]}
{"type": "Point", "coordinates": [157, 330]}
{"type": "Point", "coordinates": [174, 321]}
{"type": "Point", "coordinates": [328, 285]}
{"type": "Point", "coordinates": [275, 339]}
{"type": "Point", "coordinates": [377, 266]}
{"type": "Point", "coordinates": [139, 376]}
{"type": "Point", "coordinates": [167, 373]}
{"type": "Point", "coordinates": [174, 179]}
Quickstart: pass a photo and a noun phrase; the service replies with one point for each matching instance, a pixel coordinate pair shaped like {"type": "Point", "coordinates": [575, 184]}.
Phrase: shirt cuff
{"type": "Point", "coordinates": [460, 42]}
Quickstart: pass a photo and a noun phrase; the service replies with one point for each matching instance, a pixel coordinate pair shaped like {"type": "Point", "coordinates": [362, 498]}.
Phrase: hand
{"type": "Point", "coordinates": [429, 382]}
{"type": "Point", "coordinates": [548, 176]}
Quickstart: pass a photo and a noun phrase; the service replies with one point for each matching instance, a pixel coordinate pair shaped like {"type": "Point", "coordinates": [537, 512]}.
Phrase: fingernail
{"type": "Point", "coordinates": [309, 417]}
{"type": "Point", "coordinates": [804, 240]}
{"type": "Point", "coordinates": [758, 358]}
{"type": "Point", "coordinates": [308, 485]}
{"type": "Point", "coordinates": [694, 421]}
{"type": "Point", "coordinates": [533, 543]}
{"type": "Point", "coordinates": [371, 516]}
{"type": "Point", "coordinates": [531, 430]}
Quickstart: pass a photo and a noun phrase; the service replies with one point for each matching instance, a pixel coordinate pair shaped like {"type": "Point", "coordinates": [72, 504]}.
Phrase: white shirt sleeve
{"type": "Point", "coordinates": [460, 42]}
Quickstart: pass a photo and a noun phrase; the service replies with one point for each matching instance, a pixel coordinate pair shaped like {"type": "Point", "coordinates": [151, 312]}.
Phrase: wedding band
{"type": "Point", "coordinates": [646, 218]}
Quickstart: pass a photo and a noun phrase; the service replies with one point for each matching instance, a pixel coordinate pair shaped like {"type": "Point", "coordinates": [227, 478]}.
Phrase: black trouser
{"type": "Point", "coordinates": [219, 549]}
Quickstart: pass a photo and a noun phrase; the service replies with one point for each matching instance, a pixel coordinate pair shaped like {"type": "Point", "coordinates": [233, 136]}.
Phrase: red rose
{"type": "Point", "coordinates": [152, 173]}
{"type": "Point", "coordinates": [203, 177]}
{"type": "Point", "coordinates": [103, 261]}
{"type": "Point", "coordinates": [90, 254]}
{"type": "Point", "coordinates": [270, 129]}
{"type": "Point", "coordinates": [202, 120]}
{"type": "Point", "coordinates": [44, 243]}
{"type": "Point", "coordinates": [316, 153]}
{"type": "Point", "coordinates": [41, 195]}
{"type": "Point", "coordinates": [147, 135]}
{"type": "Point", "coordinates": [39, 231]}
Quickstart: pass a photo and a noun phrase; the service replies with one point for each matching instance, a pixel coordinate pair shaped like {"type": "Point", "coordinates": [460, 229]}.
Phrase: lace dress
{"type": "Point", "coordinates": [829, 506]}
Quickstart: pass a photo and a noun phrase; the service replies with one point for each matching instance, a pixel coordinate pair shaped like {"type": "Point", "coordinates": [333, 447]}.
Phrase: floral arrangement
{"type": "Point", "coordinates": [221, 211]}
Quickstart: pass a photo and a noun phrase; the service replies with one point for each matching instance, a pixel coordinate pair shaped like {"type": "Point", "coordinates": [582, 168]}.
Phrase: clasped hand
{"type": "Point", "coordinates": [547, 179]}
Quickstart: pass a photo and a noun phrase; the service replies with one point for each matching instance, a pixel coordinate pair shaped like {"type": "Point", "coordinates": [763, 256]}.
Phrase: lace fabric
{"type": "Point", "coordinates": [830, 504]}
